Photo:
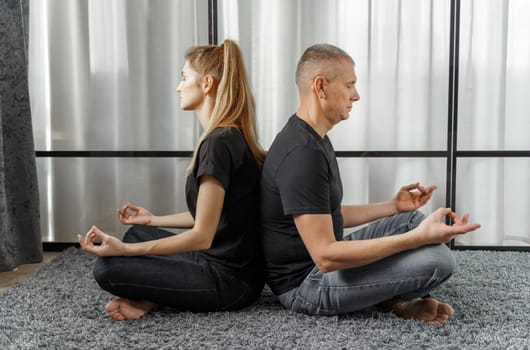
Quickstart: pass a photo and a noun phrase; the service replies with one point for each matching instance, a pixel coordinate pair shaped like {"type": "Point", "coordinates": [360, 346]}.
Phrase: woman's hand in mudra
{"type": "Point", "coordinates": [131, 214]}
{"type": "Point", "coordinates": [108, 246]}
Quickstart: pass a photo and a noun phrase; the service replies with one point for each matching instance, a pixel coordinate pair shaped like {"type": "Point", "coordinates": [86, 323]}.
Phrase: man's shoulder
{"type": "Point", "coordinates": [293, 154]}
{"type": "Point", "coordinates": [293, 136]}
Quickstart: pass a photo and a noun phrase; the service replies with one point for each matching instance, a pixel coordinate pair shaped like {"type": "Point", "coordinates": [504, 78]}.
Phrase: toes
{"type": "Point", "coordinates": [112, 305]}
{"type": "Point", "coordinates": [439, 319]}
{"type": "Point", "coordinates": [446, 309]}
{"type": "Point", "coordinates": [125, 309]}
{"type": "Point", "coordinates": [117, 316]}
{"type": "Point", "coordinates": [113, 309]}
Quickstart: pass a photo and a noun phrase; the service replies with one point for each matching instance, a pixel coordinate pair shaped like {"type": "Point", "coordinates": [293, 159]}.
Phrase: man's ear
{"type": "Point", "coordinates": [208, 83]}
{"type": "Point", "coordinates": [319, 84]}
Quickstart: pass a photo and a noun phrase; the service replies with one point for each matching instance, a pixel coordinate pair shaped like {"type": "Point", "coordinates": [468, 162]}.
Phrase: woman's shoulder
{"type": "Point", "coordinates": [225, 135]}
{"type": "Point", "coordinates": [226, 146]}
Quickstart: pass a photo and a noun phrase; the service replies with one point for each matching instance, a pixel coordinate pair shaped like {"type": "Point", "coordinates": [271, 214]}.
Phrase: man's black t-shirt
{"type": "Point", "coordinates": [225, 155]}
{"type": "Point", "coordinates": [300, 176]}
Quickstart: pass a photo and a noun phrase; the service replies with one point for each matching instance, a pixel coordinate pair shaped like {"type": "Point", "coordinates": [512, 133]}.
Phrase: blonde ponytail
{"type": "Point", "coordinates": [234, 103]}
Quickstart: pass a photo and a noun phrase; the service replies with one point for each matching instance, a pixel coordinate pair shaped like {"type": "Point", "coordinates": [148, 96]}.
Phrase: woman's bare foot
{"type": "Point", "coordinates": [427, 309]}
{"type": "Point", "coordinates": [126, 309]}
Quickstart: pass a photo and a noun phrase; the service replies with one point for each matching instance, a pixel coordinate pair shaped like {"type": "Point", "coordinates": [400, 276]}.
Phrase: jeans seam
{"type": "Point", "coordinates": [318, 308]}
{"type": "Point", "coordinates": [406, 280]}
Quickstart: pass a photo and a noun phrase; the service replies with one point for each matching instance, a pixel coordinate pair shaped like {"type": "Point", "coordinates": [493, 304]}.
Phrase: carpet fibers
{"type": "Point", "coordinates": [61, 307]}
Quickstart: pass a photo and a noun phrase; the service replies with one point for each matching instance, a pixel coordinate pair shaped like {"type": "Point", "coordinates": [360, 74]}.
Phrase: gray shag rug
{"type": "Point", "coordinates": [61, 307]}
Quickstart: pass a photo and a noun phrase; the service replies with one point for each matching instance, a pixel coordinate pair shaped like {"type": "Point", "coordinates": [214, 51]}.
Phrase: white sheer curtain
{"type": "Point", "coordinates": [402, 79]}
{"type": "Point", "coordinates": [401, 49]}
{"type": "Point", "coordinates": [494, 114]}
{"type": "Point", "coordinates": [103, 76]}
{"type": "Point", "coordinates": [402, 71]}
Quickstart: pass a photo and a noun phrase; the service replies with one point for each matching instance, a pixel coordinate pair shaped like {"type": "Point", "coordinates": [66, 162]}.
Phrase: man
{"type": "Point", "coordinates": [310, 266]}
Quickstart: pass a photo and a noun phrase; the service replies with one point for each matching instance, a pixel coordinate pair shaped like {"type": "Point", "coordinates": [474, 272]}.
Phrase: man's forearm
{"type": "Point", "coordinates": [350, 254]}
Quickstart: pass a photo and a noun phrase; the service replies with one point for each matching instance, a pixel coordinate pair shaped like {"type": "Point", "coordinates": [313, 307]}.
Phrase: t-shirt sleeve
{"type": "Point", "coordinates": [303, 181]}
{"type": "Point", "coordinates": [214, 160]}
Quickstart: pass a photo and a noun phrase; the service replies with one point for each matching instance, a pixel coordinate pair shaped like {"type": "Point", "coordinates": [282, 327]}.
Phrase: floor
{"type": "Point", "coordinates": [8, 279]}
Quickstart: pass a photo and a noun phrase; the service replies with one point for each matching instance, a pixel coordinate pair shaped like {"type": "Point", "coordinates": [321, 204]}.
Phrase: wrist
{"type": "Point", "coordinates": [151, 220]}
{"type": "Point", "coordinates": [414, 238]}
{"type": "Point", "coordinates": [127, 249]}
{"type": "Point", "coordinates": [392, 207]}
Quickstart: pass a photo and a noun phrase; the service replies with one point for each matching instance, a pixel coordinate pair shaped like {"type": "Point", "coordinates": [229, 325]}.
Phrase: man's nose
{"type": "Point", "coordinates": [355, 97]}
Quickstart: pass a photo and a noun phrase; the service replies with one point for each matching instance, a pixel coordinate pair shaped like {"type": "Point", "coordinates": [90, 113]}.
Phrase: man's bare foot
{"type": "Point", "coordinates": [126, 309]}
{"type": "Point", "coordinates": [427, 309]}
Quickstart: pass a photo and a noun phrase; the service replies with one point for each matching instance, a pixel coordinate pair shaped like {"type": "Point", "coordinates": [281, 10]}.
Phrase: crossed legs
{"type": "Point", "coordinates": [398, 283]}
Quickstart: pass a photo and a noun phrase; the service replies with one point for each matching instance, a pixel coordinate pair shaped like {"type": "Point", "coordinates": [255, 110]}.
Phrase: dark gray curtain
{"type": "Point", "coordinates": [20, 238]}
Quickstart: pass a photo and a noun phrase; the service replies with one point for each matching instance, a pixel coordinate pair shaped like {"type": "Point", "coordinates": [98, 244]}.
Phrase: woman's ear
{"type": "Point", "coordinates": [208, 83]}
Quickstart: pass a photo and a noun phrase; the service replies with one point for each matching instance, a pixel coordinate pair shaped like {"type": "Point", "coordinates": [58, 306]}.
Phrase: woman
{"type": "Point", "coordinates": [215, 265]}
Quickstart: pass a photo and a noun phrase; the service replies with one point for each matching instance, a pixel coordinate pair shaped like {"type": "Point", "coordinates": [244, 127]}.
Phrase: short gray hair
{"type": "Point", "coordinates": [319, 59]}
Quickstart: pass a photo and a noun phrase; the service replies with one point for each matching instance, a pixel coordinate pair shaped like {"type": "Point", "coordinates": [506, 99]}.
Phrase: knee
{"type": "Point", "coordinates": [101, 272]}
{"type": "Point", "coordinates": [449, 262]}
{"type": "Point", "coordinates": [132, 235]}
{"type": "Point", "coordinates": [415, 217]}
{"type": "Point", "coordinates": [409, 220]}
{"type": "Point", "coordinates": [443, 261]}
{"type": "Point", "coordinates": [142, 233]}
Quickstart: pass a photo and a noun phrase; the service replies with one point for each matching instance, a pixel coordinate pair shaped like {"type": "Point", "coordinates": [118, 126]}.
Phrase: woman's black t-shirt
{"type": "Point", "coordinates": [225, 155]}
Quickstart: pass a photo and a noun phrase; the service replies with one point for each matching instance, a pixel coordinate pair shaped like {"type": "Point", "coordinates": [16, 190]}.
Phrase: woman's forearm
{"type": "Point", "coordinates": [178, 220]}
{"type": "Point", "coordinates": [183, 242]}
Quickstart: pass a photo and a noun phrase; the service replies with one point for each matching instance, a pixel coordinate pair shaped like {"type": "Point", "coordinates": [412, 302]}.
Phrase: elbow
{"type": "Point", "coordinates": [325, 264]}
{"type": "Point", "coordinates": [204, 241]}
{"type": "Point", "coordinates": [204, 244]}
{"type": "Point", "coordinates": [326, 260]}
